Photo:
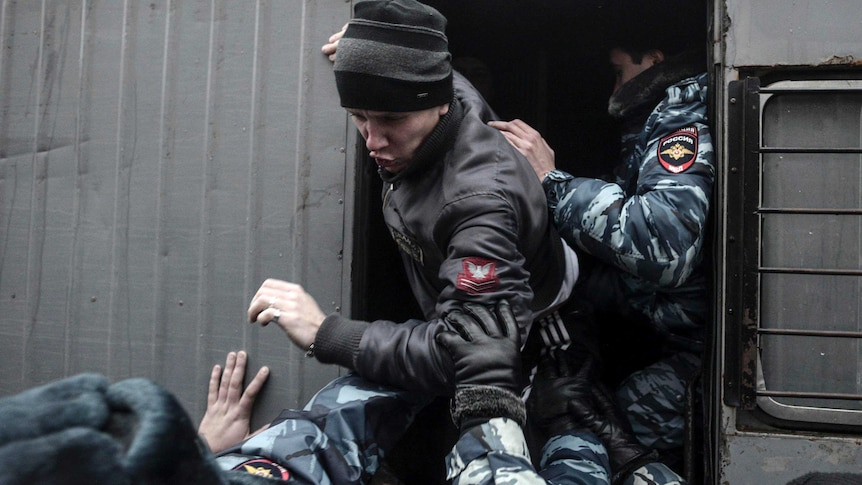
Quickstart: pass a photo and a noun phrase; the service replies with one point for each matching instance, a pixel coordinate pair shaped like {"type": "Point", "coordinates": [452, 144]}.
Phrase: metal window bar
{"type": "Point", "coordinates": [809, 333]}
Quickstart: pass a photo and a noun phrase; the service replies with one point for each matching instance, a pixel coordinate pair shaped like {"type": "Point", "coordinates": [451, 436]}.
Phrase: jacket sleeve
{"type": "Point", "coordinates": [655, 231]}
{"type": "Point", "coordinates": [484, 262]}
{"type": "Point", "coordinates": [403, 355]}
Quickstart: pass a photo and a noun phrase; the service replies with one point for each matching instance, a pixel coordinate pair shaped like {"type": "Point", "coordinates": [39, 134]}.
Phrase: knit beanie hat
{"type": "Point", "coordinates": [394, 56]}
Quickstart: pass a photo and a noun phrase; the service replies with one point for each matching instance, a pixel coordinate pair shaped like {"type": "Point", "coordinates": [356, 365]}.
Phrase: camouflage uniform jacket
{"type": "Point", "coordinates": [646, 230]}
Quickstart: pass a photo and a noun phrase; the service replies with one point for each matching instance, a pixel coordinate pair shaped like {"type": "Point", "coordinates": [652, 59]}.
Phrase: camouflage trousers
{"type": "Point", "coordinates": [653, 399]}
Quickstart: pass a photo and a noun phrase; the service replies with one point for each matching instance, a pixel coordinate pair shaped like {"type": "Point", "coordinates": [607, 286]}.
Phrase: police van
{"type": "Point", "coordinates": [159, 159]}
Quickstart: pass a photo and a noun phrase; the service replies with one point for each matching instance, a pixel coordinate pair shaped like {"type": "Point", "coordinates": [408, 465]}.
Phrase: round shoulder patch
{"type": "Point", "coordinates": [261, 467]}
{"type": "Point", "coordinates": [677, 151]}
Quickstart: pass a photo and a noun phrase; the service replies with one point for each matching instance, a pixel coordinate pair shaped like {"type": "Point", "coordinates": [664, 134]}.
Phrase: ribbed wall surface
{"type": "Point", "coordinates": [158, 160]}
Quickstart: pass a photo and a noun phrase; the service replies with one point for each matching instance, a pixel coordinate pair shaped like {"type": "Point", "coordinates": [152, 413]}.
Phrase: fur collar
{"type": "Point", "coordinates": [640, 95]}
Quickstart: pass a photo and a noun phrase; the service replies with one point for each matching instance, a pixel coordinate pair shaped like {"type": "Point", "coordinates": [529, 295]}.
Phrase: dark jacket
{"type": "Point", "coordinates": [470, 219]}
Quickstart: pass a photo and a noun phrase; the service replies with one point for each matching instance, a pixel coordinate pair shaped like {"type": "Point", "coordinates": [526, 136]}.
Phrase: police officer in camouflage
{"type": "Point", "coordinates": [305, 446]}
{"type": "Point", "coordinates": [640, 233]}
{"type": "Point", "coordinates": [570, 410]}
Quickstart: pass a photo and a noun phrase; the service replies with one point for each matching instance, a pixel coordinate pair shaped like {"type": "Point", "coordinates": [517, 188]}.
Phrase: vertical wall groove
{"type": "Point", "coordinates": [159, 305]}
{"type": "Point", "coordinates": [206, 186]}
{"type": "Point", "coordinates": [37, 214]}
{"type": "Point", "coordinates": [73, 293]}
{"type": "Point", "coordinates": [252, 195]}
{"type": "Point", "coordinates": [119, 234]}
{"type": "Point", "coordinates": [301, 175]}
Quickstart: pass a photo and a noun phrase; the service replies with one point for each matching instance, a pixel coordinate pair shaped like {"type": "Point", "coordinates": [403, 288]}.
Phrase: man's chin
{"type": "Point", "coordinates": [392, 167]}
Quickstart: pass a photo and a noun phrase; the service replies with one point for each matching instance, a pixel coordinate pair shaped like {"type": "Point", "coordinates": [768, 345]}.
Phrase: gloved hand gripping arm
{"type": "Point", "coordinates": [485, 351]}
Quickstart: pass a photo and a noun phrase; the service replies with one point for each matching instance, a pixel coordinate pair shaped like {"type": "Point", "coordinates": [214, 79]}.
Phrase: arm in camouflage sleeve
{"type": "Point", "coordinates": [656, 231]}
{"type": "Point", "coordinates": [489, 449]}
{"type": "Point", "coordinates": [496, 452]}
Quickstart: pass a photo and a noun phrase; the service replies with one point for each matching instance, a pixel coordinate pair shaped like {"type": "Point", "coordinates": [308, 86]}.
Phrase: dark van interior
{"type": "Point", "coordinates": [542, 62]}
{"type": "Point", "coordinates": [545, 63]}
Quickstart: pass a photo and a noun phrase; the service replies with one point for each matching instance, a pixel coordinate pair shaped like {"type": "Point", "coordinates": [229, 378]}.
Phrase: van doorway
{"type": "Point", "coordinates": [542, 62]}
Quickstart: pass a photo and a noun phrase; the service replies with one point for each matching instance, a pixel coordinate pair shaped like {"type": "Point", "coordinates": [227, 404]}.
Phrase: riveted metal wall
{"type": "Point", "coordinates": [158, 160]}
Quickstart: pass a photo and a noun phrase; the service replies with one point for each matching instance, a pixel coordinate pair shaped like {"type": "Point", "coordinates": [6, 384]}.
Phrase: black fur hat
{"type": "Point", "coordinates": [83, 430]}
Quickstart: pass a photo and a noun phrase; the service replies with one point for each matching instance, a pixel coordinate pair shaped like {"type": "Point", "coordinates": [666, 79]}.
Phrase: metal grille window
{"type": "Point", "coordinates": [800, 232]}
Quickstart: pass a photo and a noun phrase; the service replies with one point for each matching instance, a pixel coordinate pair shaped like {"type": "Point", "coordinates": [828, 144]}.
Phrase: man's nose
{"type": "Point", "coordinates": [375, 140]}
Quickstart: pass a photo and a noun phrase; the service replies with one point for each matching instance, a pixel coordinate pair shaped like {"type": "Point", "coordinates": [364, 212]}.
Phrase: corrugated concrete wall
{"type": "Point", "coordinates": [158, 160]}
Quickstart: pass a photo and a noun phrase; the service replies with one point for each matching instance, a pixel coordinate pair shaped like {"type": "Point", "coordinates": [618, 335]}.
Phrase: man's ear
{"type": "Point", "coordinates": [655, 56]}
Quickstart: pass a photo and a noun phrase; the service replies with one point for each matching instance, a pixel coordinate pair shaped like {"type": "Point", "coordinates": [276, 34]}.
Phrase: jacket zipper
{"type": "Point", "coordinates": [386, 195]}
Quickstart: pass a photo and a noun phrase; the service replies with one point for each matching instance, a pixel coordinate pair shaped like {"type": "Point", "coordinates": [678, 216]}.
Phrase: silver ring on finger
{"type": "Point", "coordinates": [276, 316]}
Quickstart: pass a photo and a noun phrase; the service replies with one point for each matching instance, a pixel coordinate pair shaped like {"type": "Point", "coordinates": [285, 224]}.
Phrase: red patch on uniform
{"type": "Point", "coordinates": [677, 151]}
{"type": "Point", "coordinates": [261, 467]}
{"type": "Point", "coordinates": [478, 276]}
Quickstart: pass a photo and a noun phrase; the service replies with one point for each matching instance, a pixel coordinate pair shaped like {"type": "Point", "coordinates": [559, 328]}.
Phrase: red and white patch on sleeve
{"type": "Point", "coordinates": [479, 275]}
{"type": "Point", "coordinates": [677, 151]}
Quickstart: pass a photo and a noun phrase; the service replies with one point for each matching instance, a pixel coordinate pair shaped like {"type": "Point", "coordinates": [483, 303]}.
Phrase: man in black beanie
{"type": "Point", "coordinates": [463, 206]}
{"type": "Point", "coordinates": [460, 202]}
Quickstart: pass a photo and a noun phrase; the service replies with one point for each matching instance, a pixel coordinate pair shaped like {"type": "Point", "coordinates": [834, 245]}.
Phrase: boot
{"type": "Point", "coordinates": [601, 416]}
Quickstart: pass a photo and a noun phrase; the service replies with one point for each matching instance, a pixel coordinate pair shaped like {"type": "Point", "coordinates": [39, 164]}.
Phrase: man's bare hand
{"type": "Point", "coordinates": [295, 311]}
{"type": "Point", "coordinates": [530, 143]}
{"type": "Point", "coordinates": [332, 45]}
{"type": "Point", "coordinates": [226, 420]}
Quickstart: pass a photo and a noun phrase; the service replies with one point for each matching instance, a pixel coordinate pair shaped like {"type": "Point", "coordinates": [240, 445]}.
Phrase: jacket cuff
{"type": "Point", "coordinates": [553, 188]}
{"type": "Point", "coordinates": [337, 340]}
{"type": "Point", "coordinates": [486, 402]}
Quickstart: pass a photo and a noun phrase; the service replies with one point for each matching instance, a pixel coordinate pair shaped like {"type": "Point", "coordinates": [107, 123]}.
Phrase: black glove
{"type": "Point", "coordinates": [484, 347]}
{"type": "Point", "coordinates": [563, 378]}
{"type": "Point", "coordinates": [485, 351]}
{"type": "Point", "coordinates": [625, 452]}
